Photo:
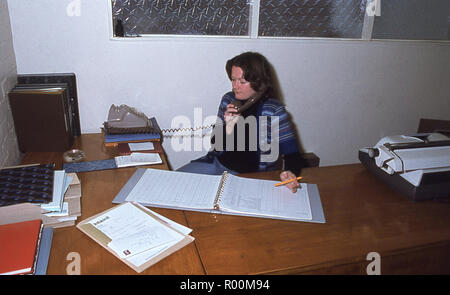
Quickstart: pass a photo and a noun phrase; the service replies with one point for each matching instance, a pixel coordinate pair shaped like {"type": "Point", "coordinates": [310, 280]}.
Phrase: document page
{"type": "Point", "coordinates": [145, 256]}
{"type": "Point", "coordinates": [175, 189]}
{"type": "Point", "coordinates": [141, 146]}
{"type": "Point", "coordinates": [261, 197]}
{"type": "Point", "coordinates": [132, 231]}
{"type": "Point", "coordinates": [136, 159]}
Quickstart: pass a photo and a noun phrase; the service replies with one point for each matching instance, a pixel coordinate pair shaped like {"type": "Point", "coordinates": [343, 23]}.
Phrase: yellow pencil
{"type": "Point", "coordinates": [287, 181]}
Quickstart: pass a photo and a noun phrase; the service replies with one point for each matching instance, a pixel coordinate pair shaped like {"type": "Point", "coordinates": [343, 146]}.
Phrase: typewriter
{"type": "Point", "coordinates": [417, 165]}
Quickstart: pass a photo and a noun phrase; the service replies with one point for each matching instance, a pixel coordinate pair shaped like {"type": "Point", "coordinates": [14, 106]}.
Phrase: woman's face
{"type": "Point", "coordinates": [241, 87]}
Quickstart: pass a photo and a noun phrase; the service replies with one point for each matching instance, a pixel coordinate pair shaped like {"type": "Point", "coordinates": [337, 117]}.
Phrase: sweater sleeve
{"type": "Point", "coordinates": [289, 149]}
{"type": "Point", "coordinates": [287, 141]}
{"type": "Point", "coordinates": [286, 136]}
{"type": "Point", "coordinates": [294, 162]}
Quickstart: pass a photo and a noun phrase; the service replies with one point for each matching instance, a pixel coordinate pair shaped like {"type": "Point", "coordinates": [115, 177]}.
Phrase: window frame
{"type": "Point", "coordinates": [254, 7]}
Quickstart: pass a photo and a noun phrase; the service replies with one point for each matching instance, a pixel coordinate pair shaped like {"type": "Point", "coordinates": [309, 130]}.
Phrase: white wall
{"type": "Point", "coordinates": [342, 95]}
{"type": "Point", "coordinates": [9, 150]}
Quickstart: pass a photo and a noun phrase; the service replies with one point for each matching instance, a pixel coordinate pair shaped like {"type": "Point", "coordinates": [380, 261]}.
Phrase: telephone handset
{"type": "Point", "coordinates": [241, 107]}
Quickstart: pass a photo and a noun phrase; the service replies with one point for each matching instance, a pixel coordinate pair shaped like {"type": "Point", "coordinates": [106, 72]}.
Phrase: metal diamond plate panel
{"type": "Point", "coordinates": [182, 17]}
{"type": "Point", "coordinates": [312, 18]}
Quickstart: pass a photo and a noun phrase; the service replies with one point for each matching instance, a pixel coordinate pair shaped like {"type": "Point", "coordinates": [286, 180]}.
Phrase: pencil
{"type": "Point", "coordinates": [287, 181]}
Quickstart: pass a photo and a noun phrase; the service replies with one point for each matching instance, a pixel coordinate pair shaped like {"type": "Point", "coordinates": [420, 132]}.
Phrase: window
{"type": "Point", "coordinates": [413, 20]}
{"type": "Point", "coordinates": [322, 18]}
{"type": "Point", "coordinates": [393, 19]}
{"type": "Point", "coordinates": [182, 17]}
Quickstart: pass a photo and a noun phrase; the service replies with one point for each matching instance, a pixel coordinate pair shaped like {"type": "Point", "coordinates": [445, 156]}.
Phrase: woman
{"type": "Point", "coordinates": [247, 145]}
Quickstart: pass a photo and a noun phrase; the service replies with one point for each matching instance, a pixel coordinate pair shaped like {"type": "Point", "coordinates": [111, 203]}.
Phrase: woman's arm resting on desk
{"type": "Point", "coordinates": [293, 164]}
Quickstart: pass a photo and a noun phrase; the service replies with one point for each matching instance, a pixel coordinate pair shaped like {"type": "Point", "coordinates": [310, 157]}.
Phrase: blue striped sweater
{"type": "Point", "coordinates": [276, 114]}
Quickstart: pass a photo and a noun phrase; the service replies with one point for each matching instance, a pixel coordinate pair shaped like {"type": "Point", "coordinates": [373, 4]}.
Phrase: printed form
{"type": "Point", "coordinates": [133, 232]}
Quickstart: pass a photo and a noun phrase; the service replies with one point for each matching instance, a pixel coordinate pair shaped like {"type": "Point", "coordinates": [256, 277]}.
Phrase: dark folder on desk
{"type": "Point", "coordinates": [70, 80]}
{"type": "Point", "coordinates": [226, 194]}
{"type": "Point", "coordinates": [42, 117]}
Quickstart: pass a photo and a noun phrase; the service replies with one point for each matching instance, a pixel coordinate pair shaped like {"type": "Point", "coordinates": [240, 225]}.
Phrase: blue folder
{"type": "Point", "coordinates": [89, 166]}
{"type": "Point", "coordinates": [127, 137]}
{"type": "Point", "coordinates": [44, 251]}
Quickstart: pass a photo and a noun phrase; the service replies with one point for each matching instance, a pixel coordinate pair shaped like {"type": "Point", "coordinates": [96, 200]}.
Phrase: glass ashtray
{"type": "Point", "coordinates": [73, 156]}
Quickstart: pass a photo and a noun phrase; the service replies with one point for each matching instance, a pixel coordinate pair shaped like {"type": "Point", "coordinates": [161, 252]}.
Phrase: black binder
{"type": "Point", "coordinates": [42, 117]}
{"type": "Point", "coordinates": [70, 80]}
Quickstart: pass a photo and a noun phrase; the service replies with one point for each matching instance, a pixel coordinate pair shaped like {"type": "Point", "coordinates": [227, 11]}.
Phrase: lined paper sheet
{"type": "Point", "coordinates": [180, 189]}
{"type": "Point", "coordinates": [261, 197]}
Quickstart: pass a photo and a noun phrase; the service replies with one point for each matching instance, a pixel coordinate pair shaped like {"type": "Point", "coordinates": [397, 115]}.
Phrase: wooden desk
{"type": "Point", "coordinates": [362, 215]}
{"type": "Point", "coordinates": [98, 190]}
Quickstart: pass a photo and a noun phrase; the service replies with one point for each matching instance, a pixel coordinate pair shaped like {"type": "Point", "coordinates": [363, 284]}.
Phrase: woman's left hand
{"type": "Point", "coordinates": [294, 185]}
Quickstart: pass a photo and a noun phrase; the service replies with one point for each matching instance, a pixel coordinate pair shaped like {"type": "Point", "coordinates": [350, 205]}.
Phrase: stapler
{"type": "Point", "coordinates": [417, 165]}
{"type": "Point", "coordinates": [125, 119]}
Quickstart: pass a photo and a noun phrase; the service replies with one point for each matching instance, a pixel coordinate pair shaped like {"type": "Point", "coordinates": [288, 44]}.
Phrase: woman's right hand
{"type": "Point", "coordinates": [231, 117]}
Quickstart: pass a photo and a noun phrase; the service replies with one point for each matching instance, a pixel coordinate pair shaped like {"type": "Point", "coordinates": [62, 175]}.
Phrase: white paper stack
{"type": "Point", "coordinates": [66, 205]}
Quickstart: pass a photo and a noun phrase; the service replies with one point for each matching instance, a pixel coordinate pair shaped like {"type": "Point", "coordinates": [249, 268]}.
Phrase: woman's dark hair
{"type": "Point", "coordinates": [257, 71]}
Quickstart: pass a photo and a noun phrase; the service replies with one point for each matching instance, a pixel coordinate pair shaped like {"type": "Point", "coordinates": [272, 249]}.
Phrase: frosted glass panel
{"type": "Point", "coordinates": [312, 18]}
{"type": "Point", "coordinates": [182, 17]}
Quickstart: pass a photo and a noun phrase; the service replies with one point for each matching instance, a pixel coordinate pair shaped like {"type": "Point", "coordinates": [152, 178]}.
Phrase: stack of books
{"type": "Point", "coordinates": [54, 194]}
{"type": "Point", "coordinates": [114, 138]}
{"type": "Point", "coordinates": [42, 118]}
{"type": "Point", "coordinates": [24, 247]}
